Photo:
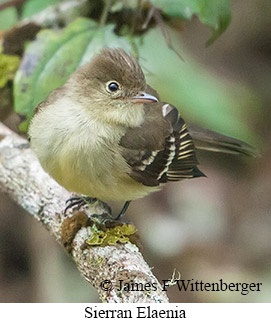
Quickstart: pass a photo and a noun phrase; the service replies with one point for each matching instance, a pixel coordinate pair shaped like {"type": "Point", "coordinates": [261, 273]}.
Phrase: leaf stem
{"type": "Point", "coordinates": [12, 3]}
{"type": "Point", "coordinates": [106, 9]}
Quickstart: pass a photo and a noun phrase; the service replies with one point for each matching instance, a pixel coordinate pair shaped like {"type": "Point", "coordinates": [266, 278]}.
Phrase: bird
{"type": "Point", "coordinates": [105, 134]}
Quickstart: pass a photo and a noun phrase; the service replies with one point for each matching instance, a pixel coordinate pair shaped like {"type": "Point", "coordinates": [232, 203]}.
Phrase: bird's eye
{"type": "Point", "coordinates": [113, 86]}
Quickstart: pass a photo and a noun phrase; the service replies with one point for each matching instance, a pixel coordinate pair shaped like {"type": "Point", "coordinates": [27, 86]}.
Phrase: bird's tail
{"type": "Point", "coordinates": [205, 139]}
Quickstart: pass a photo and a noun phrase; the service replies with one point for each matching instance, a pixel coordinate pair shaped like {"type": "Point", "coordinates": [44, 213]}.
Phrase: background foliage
{"type": "Point", "coordinates": [57, 52]}
{"type": "Point", "coordinates": [208, 229]}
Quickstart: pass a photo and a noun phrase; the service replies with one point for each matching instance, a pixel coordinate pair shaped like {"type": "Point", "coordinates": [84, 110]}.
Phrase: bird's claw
{"type": "Point", "coordinates": [76, 203]}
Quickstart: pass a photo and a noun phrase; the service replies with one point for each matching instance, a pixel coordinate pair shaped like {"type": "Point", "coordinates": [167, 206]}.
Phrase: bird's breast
{"type": "Point", "coordinates": [82, 154]}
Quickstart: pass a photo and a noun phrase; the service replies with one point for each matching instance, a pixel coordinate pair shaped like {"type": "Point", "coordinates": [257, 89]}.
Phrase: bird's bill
{"type": "Point", "coordinates": [143, 97]}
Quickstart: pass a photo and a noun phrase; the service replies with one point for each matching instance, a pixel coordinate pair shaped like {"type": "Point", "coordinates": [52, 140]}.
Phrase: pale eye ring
{"type": "Point", "coordinates": [113, 86]}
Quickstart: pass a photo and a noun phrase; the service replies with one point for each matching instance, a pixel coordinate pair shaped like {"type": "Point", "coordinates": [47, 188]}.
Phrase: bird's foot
{"type": "Point", "coordinates": [98, 211]}
{"type": "Point", "coordinates": [78, 203]}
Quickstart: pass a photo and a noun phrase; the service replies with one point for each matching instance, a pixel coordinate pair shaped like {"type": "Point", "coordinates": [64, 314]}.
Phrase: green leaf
{"type": "Point", "coordinates": [8, 18]}
{"type": "Point", "coordinates": [49, 61]}
{"type": "Point", "coordinates": [32, 7]}
{"type": "Point", "coordinates": [52, 13]}
{"type": "Point", "coordinates": [214, 13]}
{"type": "Point", "coordinates": [177, 8]}
{"type": "Point", "coordinates": [200, 96]}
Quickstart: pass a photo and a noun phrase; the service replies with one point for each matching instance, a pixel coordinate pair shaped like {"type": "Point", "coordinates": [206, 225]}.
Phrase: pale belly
{"type": "Point", "coordinates": [104, 175]}
{"type": "Point", "coordinates": [104, 184]}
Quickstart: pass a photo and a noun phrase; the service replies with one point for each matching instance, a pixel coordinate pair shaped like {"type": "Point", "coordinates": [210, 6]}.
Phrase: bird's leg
{"type": "Point", "coordinates": [123, 211]}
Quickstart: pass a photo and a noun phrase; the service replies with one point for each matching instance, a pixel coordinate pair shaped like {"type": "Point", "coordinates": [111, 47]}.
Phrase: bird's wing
{"type": "Point", "coordinates": [209, 140]}
{"type": "Point", "coordinates": [205, 139]}
{"type": "Point", "coordinates": [161, 149]}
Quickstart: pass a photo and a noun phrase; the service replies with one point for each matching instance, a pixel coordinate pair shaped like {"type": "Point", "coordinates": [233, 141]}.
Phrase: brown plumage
{"type": "Point", "coordinates": [164, 150]}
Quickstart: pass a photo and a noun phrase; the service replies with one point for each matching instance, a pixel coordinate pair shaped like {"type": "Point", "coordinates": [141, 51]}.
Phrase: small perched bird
{"type": "Point", "coordinates": [104, 133]}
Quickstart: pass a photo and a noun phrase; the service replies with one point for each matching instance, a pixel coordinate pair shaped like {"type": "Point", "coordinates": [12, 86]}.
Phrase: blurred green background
{"type": "Point", "coordinates": [207, 229]}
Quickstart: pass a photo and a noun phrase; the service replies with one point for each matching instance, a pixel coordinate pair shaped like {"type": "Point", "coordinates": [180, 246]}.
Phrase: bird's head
{"type": "Point", "coordinates": [113, 87]}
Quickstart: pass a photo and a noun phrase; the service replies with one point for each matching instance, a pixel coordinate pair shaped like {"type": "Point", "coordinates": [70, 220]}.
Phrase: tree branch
{"type": "Point", "coordinates": [22, 177]}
